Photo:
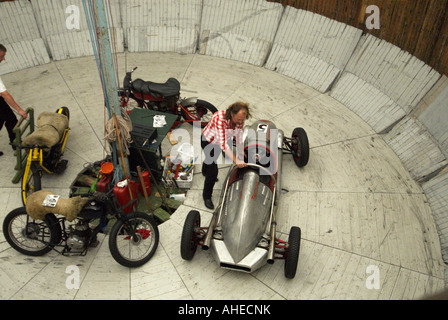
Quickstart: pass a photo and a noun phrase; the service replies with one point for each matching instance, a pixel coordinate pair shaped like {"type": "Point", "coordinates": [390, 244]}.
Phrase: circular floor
{"type": "Point", "coordinates": [367, 229]}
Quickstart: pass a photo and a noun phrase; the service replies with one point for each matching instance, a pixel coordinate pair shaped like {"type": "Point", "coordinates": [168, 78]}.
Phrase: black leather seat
{"type": "Point", "coordinates": [170, 88]}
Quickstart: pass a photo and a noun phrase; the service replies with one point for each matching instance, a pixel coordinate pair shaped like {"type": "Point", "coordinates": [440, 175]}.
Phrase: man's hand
{"type": "Point", "coordinates": [23, 114]}
{"type": "Point", "coordinates": [11, 102]}
{"type": "Point", "coordinates": [240, 163]}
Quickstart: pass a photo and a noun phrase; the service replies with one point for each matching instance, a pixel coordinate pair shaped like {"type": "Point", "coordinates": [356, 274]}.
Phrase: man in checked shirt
{"type": "Point", "coordinates": [224, 125]}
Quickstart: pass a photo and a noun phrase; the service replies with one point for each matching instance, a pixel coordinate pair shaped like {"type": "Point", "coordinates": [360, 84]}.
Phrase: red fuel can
{"type": "Point", "coordinates": [123, 195]}
{"type": "Point", "coordinates": [103, 184]}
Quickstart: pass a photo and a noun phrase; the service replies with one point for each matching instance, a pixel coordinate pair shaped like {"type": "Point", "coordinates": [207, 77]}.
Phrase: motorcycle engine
{"type": "Point", "coordinates": [161, 106]}
{"type": "Point", "coordinates": [79, 235]}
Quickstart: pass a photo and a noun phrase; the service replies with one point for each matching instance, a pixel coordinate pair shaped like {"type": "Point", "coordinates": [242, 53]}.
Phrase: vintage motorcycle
{"type": "Point", "coordinates": [44, 149]}
{"type": "Point", "coordinates": [164, 97]}
{"type": "Point", "coordinates": [133, 238]}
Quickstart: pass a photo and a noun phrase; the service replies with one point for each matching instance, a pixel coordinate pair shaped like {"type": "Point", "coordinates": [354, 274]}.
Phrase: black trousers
{"type": "Point", "coordinates": [7, 118]}
{"type": "Point", "coordinates": [209, 166]}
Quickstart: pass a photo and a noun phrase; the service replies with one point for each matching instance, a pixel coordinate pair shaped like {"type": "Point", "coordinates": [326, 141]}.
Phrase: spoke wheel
{"type": "Point", "coordinates": [201, 112]}
{"type": "Point", "coordinates": [134, 240]}
{"type": "Point", "coordinates": [28, 236]}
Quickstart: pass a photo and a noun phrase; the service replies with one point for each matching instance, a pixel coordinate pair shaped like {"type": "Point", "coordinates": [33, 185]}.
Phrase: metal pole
{"type": "Point", "coordinates": [105, 60]}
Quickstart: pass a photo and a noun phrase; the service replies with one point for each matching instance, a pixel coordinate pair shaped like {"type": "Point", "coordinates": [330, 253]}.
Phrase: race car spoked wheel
{"type": "Point", "coordinates": [300, 147]}
{"type": "Point", "coordinates": [190, 232]}
{"type": "Point", "coordinates": [292, 255]}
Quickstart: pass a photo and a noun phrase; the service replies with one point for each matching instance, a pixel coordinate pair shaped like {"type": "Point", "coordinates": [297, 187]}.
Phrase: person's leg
{"type": "Point", "coordinates": [2, 120]}
{"type": "Point", "coordinates": [8, 118]}
{"type": "Point", "coordinates": [210, 171]}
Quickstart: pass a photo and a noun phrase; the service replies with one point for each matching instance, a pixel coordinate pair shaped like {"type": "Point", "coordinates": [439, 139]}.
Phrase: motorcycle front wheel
{"type": "Point", "coordinates": [28, 236]}
{"type": "Point", "coordinates": [31, 182]}
{"type": "Point", "coordinates": [134, 240]}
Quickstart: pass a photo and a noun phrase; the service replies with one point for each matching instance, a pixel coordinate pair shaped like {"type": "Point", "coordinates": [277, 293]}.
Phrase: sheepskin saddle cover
{"type": "Point", "coordinates": [50, 128]}
{"type": "Point", "coordinates": [69, 208]}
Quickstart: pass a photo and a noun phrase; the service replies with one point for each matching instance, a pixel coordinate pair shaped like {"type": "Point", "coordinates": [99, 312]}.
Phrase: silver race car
{"type": "Point", "coordinates": [242, 230]}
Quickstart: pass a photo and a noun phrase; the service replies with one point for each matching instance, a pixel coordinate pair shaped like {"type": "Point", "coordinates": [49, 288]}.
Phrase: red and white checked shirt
{"type": "Point", "coordinates": [219, 130]}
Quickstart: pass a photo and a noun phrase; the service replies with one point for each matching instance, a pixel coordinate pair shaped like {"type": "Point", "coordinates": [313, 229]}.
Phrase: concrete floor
{"type": "Point", "coordinates": [358, 208]}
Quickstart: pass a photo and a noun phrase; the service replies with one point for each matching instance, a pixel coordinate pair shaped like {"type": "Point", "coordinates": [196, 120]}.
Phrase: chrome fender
{"type": "Point", "coordinates": [189, 102]}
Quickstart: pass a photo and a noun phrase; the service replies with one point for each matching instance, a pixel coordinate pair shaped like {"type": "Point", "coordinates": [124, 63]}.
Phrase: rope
{"type": "Point", "coordinates": [124, 127]}
{"type": "Point", "coordinates": [93, 25]}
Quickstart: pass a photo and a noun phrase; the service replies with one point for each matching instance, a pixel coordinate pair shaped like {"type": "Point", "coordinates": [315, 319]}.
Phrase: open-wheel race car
{"type": "Point", "coordinates": [242, 230]}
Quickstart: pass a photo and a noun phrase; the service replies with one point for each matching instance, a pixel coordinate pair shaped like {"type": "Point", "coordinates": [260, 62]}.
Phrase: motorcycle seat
{"type": "Point", "coordinates": [49, 131]}
{"type": "Point", "coordinates": [170, 88]}
{"type": "Point", "coordinates": [68, 207]}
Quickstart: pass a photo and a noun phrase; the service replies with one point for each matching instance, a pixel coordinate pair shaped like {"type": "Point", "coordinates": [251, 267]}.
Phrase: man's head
{"type": "Point", "coordinates": [238, 112]}
{"type": "Point", "coordinates": [2, 52]}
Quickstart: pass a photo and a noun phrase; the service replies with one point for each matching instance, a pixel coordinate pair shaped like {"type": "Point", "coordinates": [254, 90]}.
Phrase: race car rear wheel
{"type": "Point", "coordinates": [293, 250]}
{"type": "Point", "coordinates": [300, 147]}
{"type": "Point", "coordinates": [189, 240]}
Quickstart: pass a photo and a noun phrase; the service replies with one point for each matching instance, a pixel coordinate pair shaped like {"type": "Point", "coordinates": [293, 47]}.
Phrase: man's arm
{"type": "Point", "coordinates": [237, 160]}
{"type": "Point", "coordinates": [12, 103]}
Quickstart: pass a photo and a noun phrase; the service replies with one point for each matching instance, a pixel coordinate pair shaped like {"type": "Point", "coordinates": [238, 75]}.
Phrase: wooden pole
{"type": "Point", "coordinates": [142, 182]}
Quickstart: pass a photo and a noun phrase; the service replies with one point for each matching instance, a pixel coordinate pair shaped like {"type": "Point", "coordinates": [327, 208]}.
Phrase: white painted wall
{"type": "Point", "coordinates": [64, 43]}
{"type": "Point", "coordinates": [20, 35]}
{"type": "Point", "coordinates": [433, 113]}
{"type": "Point", "coordinates": [241, 30]}
{"type": "Point", "coordinates": [416, 147]}
{"type": "Point", "coordinates": [378, 66]}
{"type": "Point", "coordinates": [161, 25]}
{"type": "Point", "coordinates": [312, 48]}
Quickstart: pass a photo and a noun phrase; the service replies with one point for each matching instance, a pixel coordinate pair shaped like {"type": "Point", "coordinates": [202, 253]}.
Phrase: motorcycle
{"type": "Point", "coordinates": [45, 148]}
{"type": "Point", "coordinates": [164, 97]}
{"type": "Point", "coordinates": [133, 238]}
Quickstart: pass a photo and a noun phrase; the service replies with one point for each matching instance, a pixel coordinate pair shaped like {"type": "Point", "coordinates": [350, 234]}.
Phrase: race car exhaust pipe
{"type": "Point", "coordinates": [271, 251]}
{"type": "Point", "coordinates": [217, 214]}
{"type": "Point", "coordinates": [208, 237]}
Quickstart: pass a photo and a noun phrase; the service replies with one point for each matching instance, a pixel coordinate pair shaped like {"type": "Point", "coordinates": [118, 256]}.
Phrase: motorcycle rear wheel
{"type": "Point", "coordinates": [134, 250]}
{"type": "Point", "coordinates": [200, 111]}
{"type": "Point", "coordinates": [28, 236]}
{"type": "Point", "coordinates": [65, 111]}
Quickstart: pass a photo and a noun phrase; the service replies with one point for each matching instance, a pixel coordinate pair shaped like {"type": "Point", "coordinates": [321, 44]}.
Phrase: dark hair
{"type": "Point", "coordinates": [2, 48]}
{"type": "Point", "coordinates": [235, 108]}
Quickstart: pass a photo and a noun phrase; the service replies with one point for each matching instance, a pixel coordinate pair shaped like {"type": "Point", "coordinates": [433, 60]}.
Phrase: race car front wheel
{"type": "Point", "coordinates": [300, 147]}
{"type": "Point", "coordinates": [293, 250]}
{"type": "Point", "coordinates": [189, 240]}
